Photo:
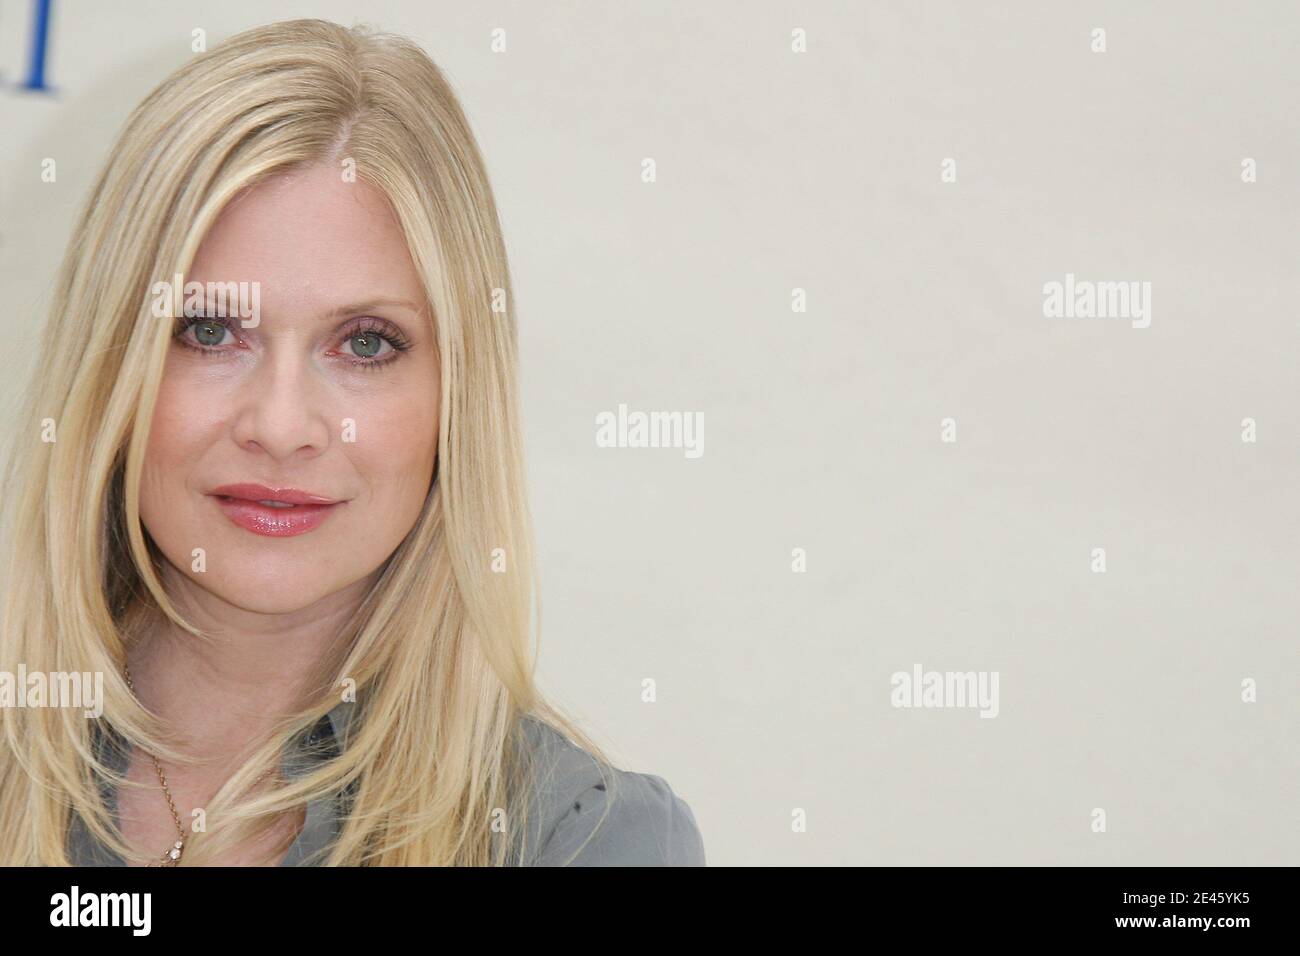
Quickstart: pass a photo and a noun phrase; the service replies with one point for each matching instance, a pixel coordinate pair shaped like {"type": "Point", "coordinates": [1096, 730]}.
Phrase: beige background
{"type": "Point", "coordinates": [820, 171]}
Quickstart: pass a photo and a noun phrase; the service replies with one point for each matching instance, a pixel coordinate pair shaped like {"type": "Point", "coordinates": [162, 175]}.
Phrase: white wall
{"type": "Point", "coordinates": [821, 171]}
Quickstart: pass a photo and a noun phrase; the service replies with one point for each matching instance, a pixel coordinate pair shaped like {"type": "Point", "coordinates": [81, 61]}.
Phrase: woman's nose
{"type": "Point", "coordinates": [281, 408]}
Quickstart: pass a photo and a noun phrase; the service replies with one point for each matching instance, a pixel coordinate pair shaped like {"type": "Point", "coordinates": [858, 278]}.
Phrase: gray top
{"type": "Point", "coordinates": [647, 824]}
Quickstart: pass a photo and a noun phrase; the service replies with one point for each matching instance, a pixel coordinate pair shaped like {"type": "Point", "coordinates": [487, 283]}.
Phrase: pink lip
{"type": "Point", "coordinates": [240, 504]}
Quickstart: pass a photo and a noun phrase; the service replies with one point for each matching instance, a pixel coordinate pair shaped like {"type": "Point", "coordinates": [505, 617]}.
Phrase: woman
{"type": "Point", "coordinates": [270, 485]}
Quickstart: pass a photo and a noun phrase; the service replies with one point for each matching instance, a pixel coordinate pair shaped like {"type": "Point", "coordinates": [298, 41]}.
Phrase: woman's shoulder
{"type": "Point", "coordinates": [587, 813]}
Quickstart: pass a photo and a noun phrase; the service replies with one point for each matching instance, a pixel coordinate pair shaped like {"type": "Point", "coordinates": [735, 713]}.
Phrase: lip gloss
{"type": "Point", "coordinates": [275, 522]}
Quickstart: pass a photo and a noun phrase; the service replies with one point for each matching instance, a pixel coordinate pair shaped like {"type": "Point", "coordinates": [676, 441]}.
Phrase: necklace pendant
{"type": "Point", "coordinates": [173, 856]}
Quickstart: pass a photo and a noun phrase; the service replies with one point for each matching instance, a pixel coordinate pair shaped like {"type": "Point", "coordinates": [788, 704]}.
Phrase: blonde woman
{"type": "Point", "coordinates": [269, 485]}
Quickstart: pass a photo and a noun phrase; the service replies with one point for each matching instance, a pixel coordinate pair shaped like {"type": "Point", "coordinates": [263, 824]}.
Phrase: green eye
{"type": "Point", "coordinates": [209, 333]}
{"type": "Point", "coordinates": [366, 344]}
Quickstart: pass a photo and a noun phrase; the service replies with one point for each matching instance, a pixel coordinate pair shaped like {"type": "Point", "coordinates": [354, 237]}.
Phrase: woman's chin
{"type": "Point", "coordinates": [276, 590]}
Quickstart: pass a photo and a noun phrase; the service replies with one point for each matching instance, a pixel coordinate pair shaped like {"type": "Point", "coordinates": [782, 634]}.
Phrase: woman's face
{"type": "Point", "coordinates": [334, 392]}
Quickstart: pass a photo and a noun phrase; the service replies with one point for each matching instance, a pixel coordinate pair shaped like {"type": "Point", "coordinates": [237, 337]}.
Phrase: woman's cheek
{"type": "Point", "coordinates": [398, 464]}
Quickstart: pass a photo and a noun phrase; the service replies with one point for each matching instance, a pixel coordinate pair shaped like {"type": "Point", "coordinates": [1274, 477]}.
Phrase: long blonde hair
{"type": "Point", "coordinates": [428, 781]}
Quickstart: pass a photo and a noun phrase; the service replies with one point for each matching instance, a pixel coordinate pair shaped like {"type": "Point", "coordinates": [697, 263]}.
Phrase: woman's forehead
{"type": "Point", "coordinates": [312, 239]}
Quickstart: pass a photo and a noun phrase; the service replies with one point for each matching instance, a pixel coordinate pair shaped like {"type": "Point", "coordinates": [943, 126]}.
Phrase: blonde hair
{"type": "Point", "coordinates": [426, 783]}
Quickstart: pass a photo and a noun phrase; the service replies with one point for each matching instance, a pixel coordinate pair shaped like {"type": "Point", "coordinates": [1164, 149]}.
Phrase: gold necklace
{"type": "Point", "coordinates": [173, 855]}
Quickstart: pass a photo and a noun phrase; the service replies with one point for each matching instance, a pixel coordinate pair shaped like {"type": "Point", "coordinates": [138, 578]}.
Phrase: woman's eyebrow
{"type": "Point", "coordinates": [369, 305]}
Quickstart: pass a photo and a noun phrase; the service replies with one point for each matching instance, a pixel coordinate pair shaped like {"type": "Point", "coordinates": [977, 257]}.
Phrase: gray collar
{"type": "Point", "coordinates": [322, 821]}
{"type": "Point", "coordinates": [336, 722]}
{"type": "Point", "coordinates": [340, 716]}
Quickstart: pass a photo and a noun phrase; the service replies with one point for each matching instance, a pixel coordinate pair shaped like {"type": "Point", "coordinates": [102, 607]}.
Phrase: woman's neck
{"type": "Point", "coordinates": [218, 695]}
